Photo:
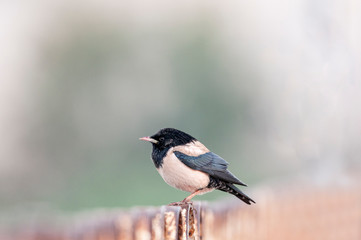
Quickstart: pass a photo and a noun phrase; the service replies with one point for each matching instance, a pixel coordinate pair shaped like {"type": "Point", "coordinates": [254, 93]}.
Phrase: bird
{"type": "Point", "coordinates": [186, 164]}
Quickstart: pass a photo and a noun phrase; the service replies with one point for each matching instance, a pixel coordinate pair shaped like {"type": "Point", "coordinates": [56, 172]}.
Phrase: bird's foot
{"type": "Point", "coordinates": [181, 203]}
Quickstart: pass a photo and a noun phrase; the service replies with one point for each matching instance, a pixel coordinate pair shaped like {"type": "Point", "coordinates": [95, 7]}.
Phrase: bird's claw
{"type": "Point", "coordinates": [181, 203]}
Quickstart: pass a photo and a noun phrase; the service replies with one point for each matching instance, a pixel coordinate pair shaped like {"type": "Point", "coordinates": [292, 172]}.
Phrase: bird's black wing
{"type": "Point", "coordinates": [209, 163]}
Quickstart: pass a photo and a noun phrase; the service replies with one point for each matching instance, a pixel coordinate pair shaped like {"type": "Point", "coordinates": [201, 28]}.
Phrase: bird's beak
{"type": "Point", "coordinates": [149, 139]}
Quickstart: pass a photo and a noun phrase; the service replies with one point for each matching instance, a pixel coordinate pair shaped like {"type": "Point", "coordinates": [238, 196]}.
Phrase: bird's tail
{"type": "Point", "coordinates": [238, 193]}
{"type": "Point", "coordinates": [230, 188]}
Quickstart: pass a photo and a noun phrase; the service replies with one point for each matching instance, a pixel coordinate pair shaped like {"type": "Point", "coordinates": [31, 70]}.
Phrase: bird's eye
{"type": "Point", "coordinates": [161, 139]}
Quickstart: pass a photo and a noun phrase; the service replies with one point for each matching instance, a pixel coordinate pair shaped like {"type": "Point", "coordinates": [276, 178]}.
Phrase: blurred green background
{"type": "Point", "coordinates": [271, 86]}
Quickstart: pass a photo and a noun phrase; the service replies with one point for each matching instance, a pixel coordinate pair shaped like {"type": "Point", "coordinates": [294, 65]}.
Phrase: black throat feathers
{"type": "Point", "coordinates": [157, 156]}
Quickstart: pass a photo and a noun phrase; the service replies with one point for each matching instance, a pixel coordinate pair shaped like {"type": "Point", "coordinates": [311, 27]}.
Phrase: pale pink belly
{"type": "Point", "coordinates": [178, 175]}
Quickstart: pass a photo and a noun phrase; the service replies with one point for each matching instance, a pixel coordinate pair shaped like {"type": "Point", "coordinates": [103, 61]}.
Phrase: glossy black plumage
{"type": "Point", "coordinates": [168, 137]}
{"type": "Point", "coordinates": [186, 164]}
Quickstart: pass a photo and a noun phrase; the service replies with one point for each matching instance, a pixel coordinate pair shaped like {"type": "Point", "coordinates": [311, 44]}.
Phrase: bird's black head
{"type": "Point", "coordinates": [169, 137]}
{"type": "Point", "coordinates": [165, 139]}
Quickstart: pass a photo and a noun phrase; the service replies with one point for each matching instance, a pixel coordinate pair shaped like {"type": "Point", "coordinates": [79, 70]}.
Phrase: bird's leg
{"type": "Point", "coordinates": [187, 199]}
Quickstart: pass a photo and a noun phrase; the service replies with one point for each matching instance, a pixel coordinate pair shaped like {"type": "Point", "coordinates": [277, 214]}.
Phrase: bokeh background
{"type": "Point", "coordinates": [274, 87]}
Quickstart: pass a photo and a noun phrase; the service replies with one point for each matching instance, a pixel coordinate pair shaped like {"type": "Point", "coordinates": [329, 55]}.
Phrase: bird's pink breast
{"type": "Point", "coordinates": [178, 175]}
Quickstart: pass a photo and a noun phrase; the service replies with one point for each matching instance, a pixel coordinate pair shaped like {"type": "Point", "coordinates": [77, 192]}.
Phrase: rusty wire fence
{"type": "Point", "coordinates": [292, 213]}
